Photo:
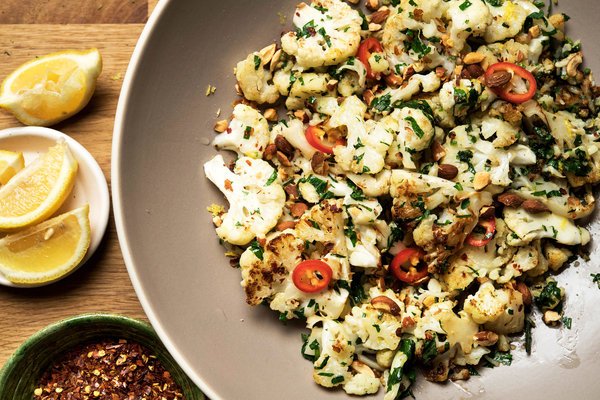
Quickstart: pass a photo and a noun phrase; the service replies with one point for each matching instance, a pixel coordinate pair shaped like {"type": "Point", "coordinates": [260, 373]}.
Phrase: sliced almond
{"type": "Point", "coordinates": [473, 58]}
{"type": "Point", "coordinates": [481, 180]}
{"type": "Point", "coordinates": [221, 126]}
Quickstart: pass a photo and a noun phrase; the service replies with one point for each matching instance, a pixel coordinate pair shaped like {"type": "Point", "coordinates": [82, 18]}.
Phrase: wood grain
{"type": "Point", "coordinates": [71, 11]}
{"type": "Point", "coordinates": [102, 285]}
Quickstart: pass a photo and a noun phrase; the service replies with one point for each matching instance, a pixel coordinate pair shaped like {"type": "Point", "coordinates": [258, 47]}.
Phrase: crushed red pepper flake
{"type": "Point", "coordinates": [108, 370]}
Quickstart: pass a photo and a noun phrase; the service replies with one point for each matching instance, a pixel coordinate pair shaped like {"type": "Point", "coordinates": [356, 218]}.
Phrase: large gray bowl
{"type": "Point", "coordinates": [192, 296]}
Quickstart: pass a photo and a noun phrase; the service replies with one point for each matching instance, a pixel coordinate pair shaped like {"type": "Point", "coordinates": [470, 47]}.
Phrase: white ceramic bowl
{"type": "Point", "coordinates": [90, 184]}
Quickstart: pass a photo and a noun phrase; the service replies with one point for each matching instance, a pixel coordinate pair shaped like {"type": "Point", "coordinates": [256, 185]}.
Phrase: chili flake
{"type": "Point", "coordinates": [112, 370]}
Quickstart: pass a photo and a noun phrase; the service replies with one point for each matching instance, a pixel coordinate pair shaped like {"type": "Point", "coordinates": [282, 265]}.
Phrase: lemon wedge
{"type": "Point", "coordinates": [37, 191]}
{"type": "Point", "coordinates": [51, 88]}
{"type": "Point", "coordinates": [10, 163]}
{"type": "Point", "coordinates": [48, 251]}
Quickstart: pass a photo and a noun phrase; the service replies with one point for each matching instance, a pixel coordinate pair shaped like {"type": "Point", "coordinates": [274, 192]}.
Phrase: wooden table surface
{"type": "Point", "coordinates": [29, 28]}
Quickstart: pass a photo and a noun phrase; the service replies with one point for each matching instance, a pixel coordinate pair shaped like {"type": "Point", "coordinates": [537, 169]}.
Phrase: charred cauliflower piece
{"type": "Point", "coordinates": [328, 33]}
{"type": "Point", "coordinates": [501, 310]}
{"type": "Point", "coordinates": [264, 272]}
{"type": "Point", "coordinates": [254, 205]}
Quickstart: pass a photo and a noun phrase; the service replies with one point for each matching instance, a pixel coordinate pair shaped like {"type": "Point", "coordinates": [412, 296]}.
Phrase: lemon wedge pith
{"type": "Point", "coordinates": [10, 163]}
{"type": "Point", "coordinates": [48, 251]}
{"type": "Point", "coordinates": [51, 88]}
{"type": "Point", "coordinates": [37, 191]}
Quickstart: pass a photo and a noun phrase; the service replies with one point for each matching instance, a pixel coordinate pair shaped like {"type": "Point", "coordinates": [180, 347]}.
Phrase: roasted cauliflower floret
{"type": "Point", "coordinates": [367, 142]}
{"type": "Point", "coordinates": [373, 185]}
{"type": "Point", "coordinates": [527, 227]}
{"type": "Point", "coordinates": [508, 19]}
{"type": "Point", "coordinates": [362, 384]}
{"type": "Point", "coordinates": [324, 224]}
{"type": "Point", "coordinates": [255, 80]}
{"type": "Point", "coordinates": [414, 133]}
{"type": "Point", "coordinates": [328, 33]}
{"type": "Point", "coordinates": [467, 21]}
{"type": "Point", "coordinates": [248, 133]}
{"type": "Point", "coordinates": [501, 310]}
{"type": "Point", "coordinates": [293, 132]}
{"type": "Point", "coordinates": [332, 366]}
{"type": "Point", "coordinates": [254, 205]}
{"type": "Point", "coordinates": [265, 271]}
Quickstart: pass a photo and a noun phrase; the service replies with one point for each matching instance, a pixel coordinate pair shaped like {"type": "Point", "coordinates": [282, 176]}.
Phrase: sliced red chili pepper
{"type": "Point", "coordinates": [408, 266]}
{"type": "Point", "coordinates": [480, 239]}
{"type": "Point", "coordinates": [312, 276]}
{"type": "Point", "coordinates": [366, 48]}
{"type": "Point", "coordinates": [505, 91]}
{"type": "Point", "coordinates": [315, 137]}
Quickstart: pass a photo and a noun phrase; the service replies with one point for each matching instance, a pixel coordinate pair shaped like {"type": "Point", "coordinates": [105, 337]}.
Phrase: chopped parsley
{"type": "Point", "coordinates": [256, 249]}
{"type": "Point", "coordinates": [415, 127]}
{"type": "Point", "coordinates": [465, 5]}
{"type": "Point", "coordinates": [382, 103]}
{"type": "Point", "coordinates": [272, 178]}
{"type": "Point", "coordinates": [257, 62]}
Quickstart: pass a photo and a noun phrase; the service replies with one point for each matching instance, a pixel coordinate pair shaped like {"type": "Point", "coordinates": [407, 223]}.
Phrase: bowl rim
{"type": "Point", "coordinates": [117, 198]}
{"type": "Point", "coordinates": [92, 318]}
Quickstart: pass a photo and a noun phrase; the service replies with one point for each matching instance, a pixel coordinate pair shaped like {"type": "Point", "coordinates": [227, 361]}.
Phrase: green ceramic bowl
{"type": "Point", "coordinates": [21, 372]}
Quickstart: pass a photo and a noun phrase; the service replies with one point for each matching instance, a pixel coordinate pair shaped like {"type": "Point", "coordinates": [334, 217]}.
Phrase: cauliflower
{"type": "Point", "coordinates": [501, 310]}
{"type": "Point", "coordinates": [396, 379]}
{"type": "Point", "coordinates": [441, 236]}
{"type": "Point", "coordinates": [367, 142]}
{"type": "Point", "coordinates": [304, 86]}
{"type": "Point", "coordinates": [459, 329]}
{"type": "Point", "coordinates": [373, 185]}
{"type": "Point", "coordinates": [508, 19]}
{"type": "Point", "coordinates": [293, 132]}
{"type": "Point", "coordinates": [248, 133]}
{"type": "Point", "coordinates": [528, 227]}
{"type": "Point", "coordinates": [556, 257]}
{"type": "Point", "coordinates": [470, 21]}
{"type": "Point", "coordinates": [470, 154]}
{"type": "Point", "coordinates": [254, 80]}
{"type": "Point", "coordinates": [290, 301]}
{"type": "Point", "coordinates": [554, 194]}
{"type": "Point", "coordinates": [415, 193]}
{"type": "Point", "coordinates": [353, 79]}
{"type": "Point", "coordinates": [336, 353]}
{"type": "Point", "coordinates": [362, 384]}
{"type": "Point", "coordinates": [416, 83]}
{"type": "Point", "coordinates": [324, 223]}
{"type": "Point", "coordinates": [415, 131]}
{"type": "Point", "coordinates": [255, 195]}
{"type": "Point", "coordinates": [411, 42]}
{"type": "Point", "coordinates": [265, 271]}
{"type": "Point", "coordinates": [328, 33]}
{"type": "Point", "coordinates": [363, 247]}
{"type": "Point", "coordinates": [376, 329]}
{"type": "Point", "coordinates": [471, 261]}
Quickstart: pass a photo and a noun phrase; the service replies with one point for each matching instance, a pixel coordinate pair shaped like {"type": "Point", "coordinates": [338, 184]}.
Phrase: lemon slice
{"type": "Point", "coordinates": [10, 163]}
{"type": "Point", "coordinates": [51, 88]}
{"type": "Point", "coordinates": [37, 191]}
{"type": "Point", "coordinates": [47, 251]}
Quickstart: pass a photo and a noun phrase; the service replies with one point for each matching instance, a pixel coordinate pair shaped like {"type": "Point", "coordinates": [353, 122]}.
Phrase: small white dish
{"type": "Point", "coordinates": [90, 184]}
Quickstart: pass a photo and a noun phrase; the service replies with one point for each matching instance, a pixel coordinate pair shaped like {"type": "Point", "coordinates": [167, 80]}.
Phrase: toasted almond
{"type": "Point", "coordinates": [297, 209]}
{"type": "Point", "coordinates": [384, 303]}
{"type": "Point", "coordinates": [372, 4]}
{"type": "Point", "coordinates": [319, 164]}
{"type": "Point", "coordinates": [284, 146]}
{"type": "Point", "coordinates": [525, 292]}
{"type": "Point", "coordinates": [551, 317]}
{"type": "Point", "coordinates": [380, 15]}
{"type": "Point", "coordinates": [271, 114]}
{"type": "Point", "coordinates": [438, 151]}
{"type": "Point", "coordinates": [535, 31]}
{"type": "Point", "coordinates": [275, 60]}
{"type": "Point", "coordinates": [267, 53]}
{"type": "Point", "coordinates": [447, 171]}
{"type": "Point", "coordinates": [282, 226]}
{"type": "Point", "coordinates": [332, 84]}
{"type": "Point", "coordinates": [473, 58]}
{"type": "Point", "coordinates": [511, 199]}
{"type": "Point", "coordinates": [487, 212]}
{"type": "Point", "coordinates": [534, 206]}
{"type": "Point", "coordinates": [221, 126]}
{"type": "Point", "coordinates": [474, 71]}
{"type": "Point", "coordinates": [486, 338]}
{"type": "Point", "coordinates": [270, 151]}
{"type": "Point", "coordinates": [498, 79]}
{"type": "Point", "coordinates": [481, 180]}
{"type": "Point", "coordinates": [283, 159]}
